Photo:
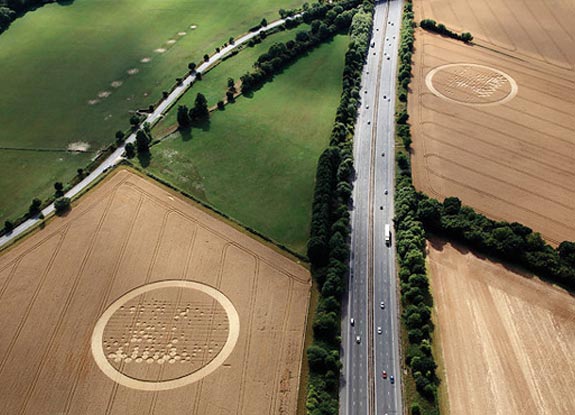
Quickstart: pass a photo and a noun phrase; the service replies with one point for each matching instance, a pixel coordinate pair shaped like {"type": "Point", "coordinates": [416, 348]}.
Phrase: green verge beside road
{"type": "Point", "coordinates": [73, 73]}
{"type": "Point", "coordinates": [255, 160]}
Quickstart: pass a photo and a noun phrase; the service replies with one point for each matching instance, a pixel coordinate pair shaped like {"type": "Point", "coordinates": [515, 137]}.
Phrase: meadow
{"type": "Point", "coordinates": [256, 159]}
{"type": "Point", "coordinates": [73, 73]}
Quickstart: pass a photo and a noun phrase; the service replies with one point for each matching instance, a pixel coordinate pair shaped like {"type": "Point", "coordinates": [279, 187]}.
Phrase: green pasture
{"type": "Point", "coordinates": [214, 83]}
{"type": "Point", "coordinates": [74, 72]}
{"type": "Point", "coordinates": [256, 160]}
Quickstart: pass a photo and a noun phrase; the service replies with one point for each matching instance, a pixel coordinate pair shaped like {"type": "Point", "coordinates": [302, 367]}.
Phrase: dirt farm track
{"type": "Point", "coordinates": [507, 342]}
{"type": "Point", "coordinates": [494, 123]}
{"type": "Point", "coordinates": [138, 302]}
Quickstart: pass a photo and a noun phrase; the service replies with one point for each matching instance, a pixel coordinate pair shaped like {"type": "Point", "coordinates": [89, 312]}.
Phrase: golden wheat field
{"type": "Point", "coordinates": [494, 123]}
{"type": "Point", "coordinates": [138, 302]}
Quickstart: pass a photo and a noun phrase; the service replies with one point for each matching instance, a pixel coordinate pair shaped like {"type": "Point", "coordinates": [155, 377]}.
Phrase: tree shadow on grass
{"type": "Point", "coordinates": [185, 134]}
{"type": "Point", "coordinates": [203, 125]}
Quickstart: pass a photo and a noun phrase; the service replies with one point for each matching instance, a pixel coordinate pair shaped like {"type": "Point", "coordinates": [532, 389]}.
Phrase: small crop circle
{"type": "Point", "coordinates": [471, 84]}
{"type": "Point", "coordinates": [165, 335]}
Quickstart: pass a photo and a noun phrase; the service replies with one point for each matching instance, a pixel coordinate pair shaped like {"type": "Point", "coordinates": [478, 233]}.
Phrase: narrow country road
{"type": "Point", "coordinates": [152, 118]}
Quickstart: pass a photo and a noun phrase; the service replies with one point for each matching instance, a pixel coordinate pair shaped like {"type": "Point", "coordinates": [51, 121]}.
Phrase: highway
{"type": "Point", "coordinates": [372, 279]}
{"type": "Point", "coordinates": [152, 118]}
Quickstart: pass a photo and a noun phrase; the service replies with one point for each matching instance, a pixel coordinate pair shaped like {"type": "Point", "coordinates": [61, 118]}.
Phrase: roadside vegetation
{"type": "Point", "coordinates": [328, 247]}
{"type": "Point", "coordinates": [416, 300]}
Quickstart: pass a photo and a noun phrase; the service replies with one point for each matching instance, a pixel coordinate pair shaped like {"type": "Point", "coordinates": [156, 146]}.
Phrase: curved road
{"type": "Point", "coordinates": [372, 280]}
{"type": "Point", "coordinates": [152, 118]}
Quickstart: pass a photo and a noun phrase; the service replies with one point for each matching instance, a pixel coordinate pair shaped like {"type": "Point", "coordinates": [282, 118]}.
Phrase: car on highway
{"type": "Point", "coordinates": [367, 107]}
{"type": "Point", "coordinates": [358, 339]}
{"type": "Point", "coordinates": [384, 374]}
{"type": "Point", "coordinates": [373, 44]}
{"type": "Point", "coordinates": [379, 330]}
{"type": "Point", "coordinates": [391, 379]}
{"type": "Point", "coordinates": [382, 304]}
{"type": "Point", "coordinates": [352, 321]}
{"type": "Point", "coordinates": [385, 192]}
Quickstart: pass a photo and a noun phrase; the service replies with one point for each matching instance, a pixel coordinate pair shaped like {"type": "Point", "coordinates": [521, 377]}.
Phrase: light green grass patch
{"type": "Point", "coordinates": [256, 162]}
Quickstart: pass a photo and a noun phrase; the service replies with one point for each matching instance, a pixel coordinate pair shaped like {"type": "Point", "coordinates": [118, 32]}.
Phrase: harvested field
{"type": "Point", "coordinates": [493, 124]}
{"type": "Point", "coordinates": [507, 341]}
{"type": "Point", "coordinates": [139, 302]}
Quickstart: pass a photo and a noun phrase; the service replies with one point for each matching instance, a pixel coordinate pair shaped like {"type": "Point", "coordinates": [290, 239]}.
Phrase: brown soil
{"type": "Point", "coordinates": [127, 234]}
{"type": "Point", "coordinates": [507, 341]}
{"type": "Point", "coordinates": [510, 157]}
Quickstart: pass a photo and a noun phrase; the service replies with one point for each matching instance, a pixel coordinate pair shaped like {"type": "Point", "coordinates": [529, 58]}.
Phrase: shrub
{"type": "Point", "coordinates": [62, 205]}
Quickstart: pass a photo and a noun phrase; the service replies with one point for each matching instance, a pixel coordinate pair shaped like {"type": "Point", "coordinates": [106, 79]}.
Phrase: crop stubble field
{"type": "Point", "coordinates": [511, 348]}
{"type": "Point", "coordinates": [493, 123]}
{"type": "Point", "coordinates": [139, 302]}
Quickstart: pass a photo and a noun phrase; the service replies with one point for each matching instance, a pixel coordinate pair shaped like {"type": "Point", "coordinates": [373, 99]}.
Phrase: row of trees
{"type": "Point", "coordinates": [509, 242]}
{"type": "Point", "coordinates": [328, 246]}
{"type": "Point", "coordinates": [433, 26]}
{"type": "Point", "coordinates": [325, 21]}
{"type": "Point", "coordinates": [416, 298]}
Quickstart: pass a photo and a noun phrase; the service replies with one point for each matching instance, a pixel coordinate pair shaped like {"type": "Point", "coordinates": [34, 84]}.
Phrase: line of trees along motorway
{"type": "Point", "coordinates": [416, 298]}
{"type": "Point", "coordinates": [329, 244]}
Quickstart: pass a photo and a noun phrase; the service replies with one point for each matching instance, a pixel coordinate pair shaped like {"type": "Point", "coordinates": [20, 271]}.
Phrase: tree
{"type": "Point", "coordinates": [135, 120]}
{"type": "Point", "coordinates": [59, 187]}
{"type": "Point", "coordinates": [6, 17]}
{"type": "Point", "coordinates": [192, 67]}
{"type": "Point", "coordinates": [221, 105]}
{"type": "Point", "coordinates": [120, 135]}
{"type": "Point", "coordinates": [198, 76]}
{"type": "Point", "coordinates": [143, 142]}
{"type": "Point", "coordinates": [8, 226]}
{"type": "Point", "coordinates": [466, 37]}
{"type": "Point", "coordinates": [183, 116]}
{"type": "Point", "coordinates": [263, 23]}
{"type": "Point", "coordinates": [230, 96]}
{"type": "Point", "coordinates": [206, 57]}
{"type": "Point", "coordinates": [451, 205]}
{"type": "Point", "coordinates": [200, 111]}
{"type": "Point", "coordinates": [130, 150]}
{"type": "Point", "coordinates": [62, 205]}
{"type": "Point", "coordinates": [34, 208]}
{"type": "Point", "coordinates": [231, 41]}
{"type": "Point", "coordinates": [231, 85]}
{"type": "Point", "coordinates": [80, 172]}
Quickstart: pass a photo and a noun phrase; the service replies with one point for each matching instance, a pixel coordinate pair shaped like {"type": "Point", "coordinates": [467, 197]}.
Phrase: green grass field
{"type": "Point", "coordinates": [257, 160]}
{"type": "Point", "coordinates": [59, 63]}
{"type": "Point", "coordinates": [214, 84]}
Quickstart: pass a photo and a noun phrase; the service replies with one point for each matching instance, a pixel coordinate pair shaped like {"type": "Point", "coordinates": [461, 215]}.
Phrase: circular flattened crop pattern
{"type": "Point", "coordinates": [165, 335]}
{"type": "Point", "coordinates": [471, 84]}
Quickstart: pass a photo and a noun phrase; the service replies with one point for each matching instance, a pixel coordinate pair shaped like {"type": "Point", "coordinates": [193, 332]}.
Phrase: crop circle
{"type": "Point", "coordinates": [471, 84]}
{"type": "Point", "coordinates": [165, 335]}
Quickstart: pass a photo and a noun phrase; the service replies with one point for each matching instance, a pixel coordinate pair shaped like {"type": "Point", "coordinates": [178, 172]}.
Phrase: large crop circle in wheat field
{"type": "Point", "coordinates": [165, 335]}
{"type": "Point", "coordinates": [471, 84]}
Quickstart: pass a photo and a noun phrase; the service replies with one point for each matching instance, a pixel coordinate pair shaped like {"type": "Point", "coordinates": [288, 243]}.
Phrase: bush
{"type": "Point", "coordinates": [62, 205]}
{"type": "Point", "coordinates": [8, 226]}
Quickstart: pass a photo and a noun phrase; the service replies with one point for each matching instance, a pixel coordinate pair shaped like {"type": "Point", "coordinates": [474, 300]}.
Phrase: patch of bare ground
{"type": "Point", "coordinates": [139, 302]}
{"type": "Point", "coordinates": [507, 340]}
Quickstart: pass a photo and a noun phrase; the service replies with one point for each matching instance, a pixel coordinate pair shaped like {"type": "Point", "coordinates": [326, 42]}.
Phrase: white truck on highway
{"type": "Point", "coordinates": [387, 234]}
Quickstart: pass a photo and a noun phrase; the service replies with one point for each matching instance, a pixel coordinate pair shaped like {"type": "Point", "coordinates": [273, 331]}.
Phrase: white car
{"type": "Point", "coordinates": [367, 107]}
{"type": "Point", "coordinates": [352, 321]}
{"type": "Point", "coordinates": [357, 339]}
{"type": "Point", "coordinates": [382, 305]}
{"type": "Point", "coordinates": [379, 330]}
